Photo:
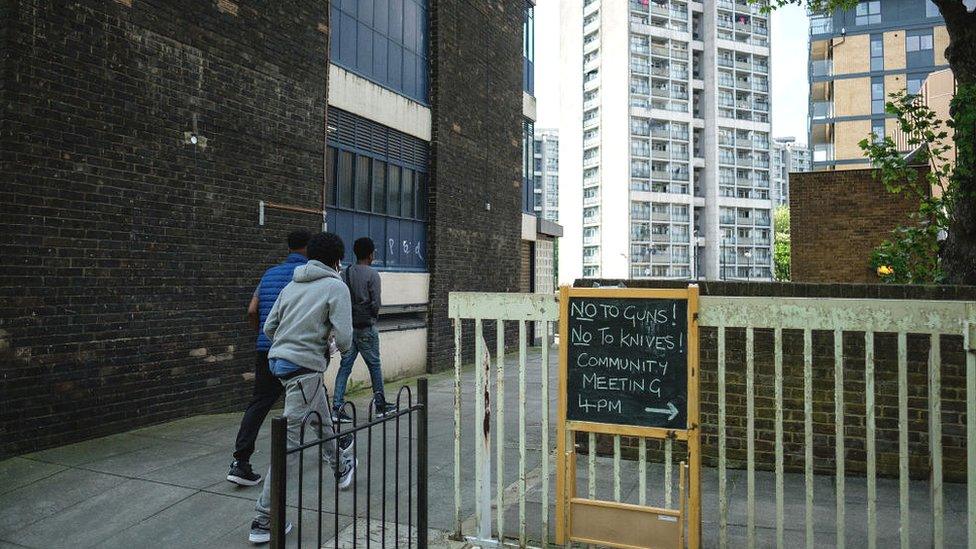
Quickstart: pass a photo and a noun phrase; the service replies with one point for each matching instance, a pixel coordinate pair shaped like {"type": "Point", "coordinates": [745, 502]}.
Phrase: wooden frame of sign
{"type": "Point", "coordinates": [626, 378]}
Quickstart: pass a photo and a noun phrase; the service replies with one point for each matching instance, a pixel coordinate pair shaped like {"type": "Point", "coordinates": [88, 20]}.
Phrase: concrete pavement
{"type": "Point", "coordinates": [164, 486]}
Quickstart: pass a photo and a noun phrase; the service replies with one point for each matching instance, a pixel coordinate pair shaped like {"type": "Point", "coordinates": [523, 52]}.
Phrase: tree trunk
{"type": "Point", "coordinates": [959, 251]}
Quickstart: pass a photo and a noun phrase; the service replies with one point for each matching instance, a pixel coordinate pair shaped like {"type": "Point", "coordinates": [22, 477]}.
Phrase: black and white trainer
{"type": "Point", "coordinates": [241, 474]}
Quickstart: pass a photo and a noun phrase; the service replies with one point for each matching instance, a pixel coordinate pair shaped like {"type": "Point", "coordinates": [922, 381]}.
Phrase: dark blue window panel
{"type": "Point", "coordinates": [347, 41]}
{"type": "Point", "coordinates": [380, 59]}
{"type": "Point", "coordinates": [362, 28]}
{"type": "Point", "coordinates": [381, 16]}
{"type": "Point", "coordinates": [366, 12]}
{"type": "Point", "coordinates": [396, 20]}
{"type": "Point", "coordinates": [364, 51]}
{"type": "Point", "coordinates": [394, 74]}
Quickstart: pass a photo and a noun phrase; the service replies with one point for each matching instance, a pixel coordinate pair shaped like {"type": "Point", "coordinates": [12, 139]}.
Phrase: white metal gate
{"type": "Point", "coordinates": [807, 315]}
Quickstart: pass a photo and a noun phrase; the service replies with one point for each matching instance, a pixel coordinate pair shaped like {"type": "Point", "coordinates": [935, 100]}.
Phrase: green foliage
{"type": "Point", "coordinates": [781, 244]}
{"type": "Point", "coordinates": [911, 254]}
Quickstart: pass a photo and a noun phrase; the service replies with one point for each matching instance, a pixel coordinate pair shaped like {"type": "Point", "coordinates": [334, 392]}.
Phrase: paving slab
{"type": "Point", "coordinates": [18, 472]}
{"type": "Point", "coordinates": [36, 501]}
{"type": "Point", "coordinates": [92, 450]}
{"type": "Point", "coordinates": [159, 454]}
{"type": "Point", "coordinates": [192, 522]}
{"type": "Point", "coordinates": [98, 518]}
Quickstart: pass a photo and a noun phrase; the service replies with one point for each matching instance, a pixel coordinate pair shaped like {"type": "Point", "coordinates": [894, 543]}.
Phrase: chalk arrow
{"type": "Point", "coordinates": [671, 410]}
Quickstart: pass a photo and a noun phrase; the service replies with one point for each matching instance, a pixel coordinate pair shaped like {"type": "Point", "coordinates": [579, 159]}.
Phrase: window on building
{"type": "Point", "coordinates": [385, 42]}
{"type": "Point", "coordinates": [528, 195]}
{"type": "Point", "coordinates": [918, 40]}
{"type": "Point", "coordinates": [877, 95]}
{"type": "Point", "coordinates": [868, 12]}
{"type": "Point", "coordinates": [878, 130]}
{"type": "Point", "coordinates": [528, 49]}
{"type": "Point", "coordinates": [367, 197]}
{"type": "Point", "coordinates": [931, 10]}
{"type": "Point", "coordinates": [877, 52]}
{"type": "Point", "coordinates": [914, 83]}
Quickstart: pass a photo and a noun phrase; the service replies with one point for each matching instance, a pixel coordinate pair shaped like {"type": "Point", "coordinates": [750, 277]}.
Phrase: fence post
{"type": "Point", "coordinates": [422, 463]}
{"type": "Point", "coordinates": [279, 480]}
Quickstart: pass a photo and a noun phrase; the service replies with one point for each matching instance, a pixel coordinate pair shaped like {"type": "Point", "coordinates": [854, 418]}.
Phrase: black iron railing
{"type": "Point", "coordinates": [408, 412]}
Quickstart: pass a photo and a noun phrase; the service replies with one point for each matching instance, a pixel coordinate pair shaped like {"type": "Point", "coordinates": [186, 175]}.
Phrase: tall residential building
{"type": "Point", "coordinates": [665, 131]}
{"type": "Point", "coordinates": [546, 171]}
{"type": "Point", "coordinates": [787, 157]}
{"type": "Point", "coordinates": [859, 57]}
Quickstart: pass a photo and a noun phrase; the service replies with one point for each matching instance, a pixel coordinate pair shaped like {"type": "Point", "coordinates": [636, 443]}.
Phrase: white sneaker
{"type": "Point", "coordinates": [346, 476]}
{"type": "Point", "coordinates": [262, 533]}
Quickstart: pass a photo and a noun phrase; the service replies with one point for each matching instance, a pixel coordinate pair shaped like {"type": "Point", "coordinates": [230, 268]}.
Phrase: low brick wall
{"type": "Point", "coordinates": [886, 387]}
{"type": "Point", "coordinates": [837, 218]}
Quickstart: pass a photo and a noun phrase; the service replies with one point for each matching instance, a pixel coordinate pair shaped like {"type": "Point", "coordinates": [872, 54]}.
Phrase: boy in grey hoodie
{"type": "Point", "coordinates": [312, 307]}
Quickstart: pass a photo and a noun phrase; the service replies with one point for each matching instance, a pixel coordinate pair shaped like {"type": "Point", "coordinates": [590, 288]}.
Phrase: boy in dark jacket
{"type": "Point", "coordinates": [364, 289]}
{"type": "Point", "coordinates": [266, 387]}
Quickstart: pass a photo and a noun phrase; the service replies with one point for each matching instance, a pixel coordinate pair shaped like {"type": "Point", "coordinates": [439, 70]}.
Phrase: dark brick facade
{"type": "Point", "coordinates": [128, 256]}
{"type": "Point", "coordinates": [886, 387]}
{"type": "Point", "coordinates": [837, 218]}
{"type": "Point", "coordinates": [476, 96]}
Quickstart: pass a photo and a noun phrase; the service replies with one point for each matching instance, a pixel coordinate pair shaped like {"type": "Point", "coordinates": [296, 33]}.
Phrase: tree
{"type": "Point", "coordinates": [781, 244]}
{"type": "Point", "coordinates": [911, 255]}
{"type": "Point", "coordinates": [958, 251]}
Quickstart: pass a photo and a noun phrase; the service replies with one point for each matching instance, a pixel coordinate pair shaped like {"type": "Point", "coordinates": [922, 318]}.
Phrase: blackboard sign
{"type": "Point", "coordinates": [627, 361]}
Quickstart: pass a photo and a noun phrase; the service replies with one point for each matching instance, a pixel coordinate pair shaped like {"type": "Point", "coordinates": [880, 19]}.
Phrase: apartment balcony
{"type": "Point", "coordinates": [661, 238]}
{"type": "Point", "coordinates": [743, 65]}
{"type": "Point", "coordinates": [762, 221]}
{"type": "Point", "coordinates": [660, 174]}
{"type": "Point", "coordinates": [587, 105]}
{"type": "Point", "coordinates": [591, 161]}
{"type": "Point", "coordinates": [760, 87]}
{"type": "Point", "coordinates": [823, 67]}
{"type": "Point", "coordinates": [660, 132]}
{"type": "Point", "coordinates": [724, 24]}
{"type": "Point", "coordinates": [683, 136]}
{"type": "Point", "coordinates": [759, 67]}
{"type": "Point", "coordinates": [679, 54]}
{"type": "Point", "coordinates": [822, 109]}
{"type": "Point", "coordinates": [659, 10]}
{"type": "Point", "coordinates": [657, 71]}
{"type": "Point", "coordinates": [590, 240]}
{"type": "Point", "coordinates": [660, 155]}
{"type": "Point", "coordinates": [760, 106]}
{"type": "Point", "coordinates": [640, 49]}
{"type": "Point", "coordinates": [760, 163]}
{"type": "Point", "coordinates": [820, 25]}
{"type": "Point", "coordinates": [762, 31]}
{"type": "Point", "coordinates": [726, 220]}
{"type": "Point", "coordinates": [823, 153]}
{"type": "Point", "coordinates": [739, 161]}
{"type": "Point", "coordinates": [727, 82]}
{"type": "Point", "coordinates": [591, 122]}
{"type": "Point", "coordinates": [591, 201]}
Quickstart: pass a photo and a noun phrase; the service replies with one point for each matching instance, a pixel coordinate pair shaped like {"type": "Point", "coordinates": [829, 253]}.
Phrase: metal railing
{"type": "Point", "coordinates": [762, 319]}
{"type": "Point", "coordinates": [839, 316]}
{"type": "Point", "coordinates": [521, 308]}
{"type": "Point", "coordinates": [280, 452]}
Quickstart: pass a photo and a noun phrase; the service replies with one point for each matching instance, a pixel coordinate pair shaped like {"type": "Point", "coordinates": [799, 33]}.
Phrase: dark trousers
{"type": "Point", "coordinates": [267, 389]}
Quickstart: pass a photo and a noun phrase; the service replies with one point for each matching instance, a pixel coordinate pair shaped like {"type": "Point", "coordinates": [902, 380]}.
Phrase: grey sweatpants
{"type": "Point", "coordinates": [302, 394]}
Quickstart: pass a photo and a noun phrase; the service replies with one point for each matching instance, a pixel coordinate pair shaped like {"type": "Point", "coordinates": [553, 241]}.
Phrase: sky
{"type": "Point", "coordinates": [789, 38]}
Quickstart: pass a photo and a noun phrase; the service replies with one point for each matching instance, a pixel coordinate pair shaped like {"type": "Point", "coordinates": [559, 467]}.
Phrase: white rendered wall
{"type": "Point", "coordinates": [571, 140]}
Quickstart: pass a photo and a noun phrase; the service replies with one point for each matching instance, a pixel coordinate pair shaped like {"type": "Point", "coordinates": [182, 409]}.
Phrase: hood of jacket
{"type": "Point", "coordinates": [312, 271]}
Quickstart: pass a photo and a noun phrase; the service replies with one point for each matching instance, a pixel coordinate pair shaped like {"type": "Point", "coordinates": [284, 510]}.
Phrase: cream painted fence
{"type": "Point", "coordinates": [867, 316]}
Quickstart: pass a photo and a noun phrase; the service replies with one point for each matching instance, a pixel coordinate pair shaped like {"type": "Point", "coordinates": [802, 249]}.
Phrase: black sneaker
{"type": "Point", "coordinates": [241, 474]}
{"type": "Point", "coordinates": [261, 533]}
{"type": "Point", "coordinates": [340, 416]}
{"type": "Point", "coordinates": [382, 408]}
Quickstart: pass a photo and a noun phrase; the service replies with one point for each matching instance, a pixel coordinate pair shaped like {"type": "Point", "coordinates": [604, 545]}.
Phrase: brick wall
{"type": "Point", "coordinates": [128, 256]}
{"type": "Point", "coordinates": [476, 93]}
{"type": "Point", "coordinates": [837, 218]}
{"type": "Point", "coordinates": [886, 387]}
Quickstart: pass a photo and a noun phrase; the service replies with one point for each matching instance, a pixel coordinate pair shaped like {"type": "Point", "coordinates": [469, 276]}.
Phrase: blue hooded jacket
{"type": "Point", "coordinates": [273, 281]}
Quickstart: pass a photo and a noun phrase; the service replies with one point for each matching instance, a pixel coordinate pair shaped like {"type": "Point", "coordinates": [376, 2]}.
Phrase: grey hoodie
{"type": "Point", "coordinates": [312, 306]}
